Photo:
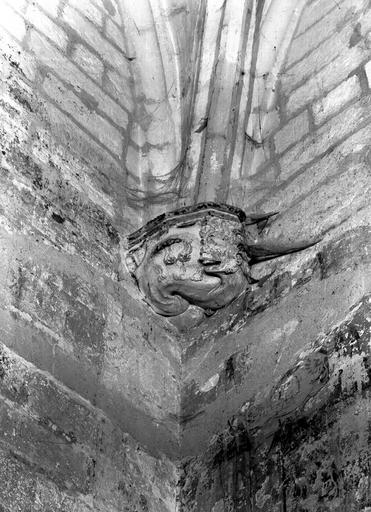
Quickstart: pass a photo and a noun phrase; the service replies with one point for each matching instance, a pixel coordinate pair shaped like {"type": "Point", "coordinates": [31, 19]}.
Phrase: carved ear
{"type": "Point", "coordinates": [263, 251]}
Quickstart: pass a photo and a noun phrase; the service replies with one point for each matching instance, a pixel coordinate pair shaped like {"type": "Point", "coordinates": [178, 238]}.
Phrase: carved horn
{"type": "Point", "coordinates": [259, 251]}
{"type": "Point", "coordinates": [263, 251]}
{"type": "Point", "coordinates": [255, 218]}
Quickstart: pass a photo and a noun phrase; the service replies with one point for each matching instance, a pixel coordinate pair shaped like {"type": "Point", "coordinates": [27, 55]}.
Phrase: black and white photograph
{"type": "Point", "coordinates": [185, 256]}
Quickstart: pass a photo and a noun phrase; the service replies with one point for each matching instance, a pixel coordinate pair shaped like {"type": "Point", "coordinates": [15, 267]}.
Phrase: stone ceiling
{"type": "Point", "coordinates": [203, 76]}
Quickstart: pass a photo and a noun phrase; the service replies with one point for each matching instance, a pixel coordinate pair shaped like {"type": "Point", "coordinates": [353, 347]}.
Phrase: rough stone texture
{"type": "Point", "coordinates": [66, 306]}
{"type": "Point", "coordinates": [58, 452]}
{"type": "Point", "coordinates": [336, 99]}
{"type": "Point", "coordinates": [304, 443]}
{"type": "Point", "coordinates": [276, 402]}
{"type": "Point", "coordinates": [292, 132]}
{"type": "Point", "coordinates": [368, 72]}
{"type": "Point", "coordinates": [239, 349]}
{"type": "Point", "coordinates": [267, 402]}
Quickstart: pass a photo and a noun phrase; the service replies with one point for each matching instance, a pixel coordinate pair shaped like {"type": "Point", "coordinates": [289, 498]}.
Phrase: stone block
{"type": "Point", "coordinates": [331, 204]}
{"type": "Point", "coordinates": [46, 26]}
{"type": "Point", "coordinates": [368, 73]}
{"type": "Point", "coordinates": [44, 448]}
{"type": "Point", "coordinates": [17, 491]}
{"type": "Point", "coordinates": [93, 37]}
{"type": "Point", "coordinates": [336, 99]}
{"type": "Point", "coordinates": [344, 156]}
{"type": "Point", "coordinates": [86, 117]}
{"type": "Point", "coordinates": [120, 88]}
{"type": "Point", "coordinates": [293, 131]}
{"type": "Point", "coordinates": [320, 62]}
{"type": "Point", "coordinates": [137, 135]}
{"type": "Point", "coordinates": [326, 137]}
{"type": "Point", "coordinates": [19, 5]}
{"type": "Point", "coordinates": [16, 59]}
{"type": "Point", "coordinates": [314, 12]}
{"type": "Point", "coordinates": [80, 171]}
{"type": "Point", "coordinates": [89, 62]}
{"type": "Point", "coordinates": [322, 82]}
{"type": "Point", "coordinates": [159, 126]}
{"type": "Point", "coordinates": [89, 10]}
{"type": "Point", "coordinates": [12, 22]}
{"type": "Point", "coordinates": [85, 156]}
{"type": "Point", "coordinates": [110, 8]}
{"type": "Point", "coordinates": [74, 323]}
{"type": "Point", "coordinates": [133, 158]}
{"type": "Point", "coordinates": [25, 488]}
{"type": "Point", "coordinates": [115, 34]}
{"type": "Point", "coordinates": [51, 57]}
{"type": "Point", "coordinates": [31, 192]}
{"type": "Point", "coordinates": [321, 30]}
{"type": "Point", "coordinates": [56, 447]}
{"type": "Point", "coordinates": [49, 6]}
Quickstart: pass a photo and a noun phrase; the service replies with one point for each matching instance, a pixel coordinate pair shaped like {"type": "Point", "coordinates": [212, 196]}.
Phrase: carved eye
{"type": "Point", "coordinates": [169, 258]}
{"type": "Point", "coordinates": [165, 244]}
{"type": "Point", "coordinates": [185, 255]}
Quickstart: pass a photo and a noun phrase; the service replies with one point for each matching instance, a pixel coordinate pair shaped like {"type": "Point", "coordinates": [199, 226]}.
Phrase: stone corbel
{"type": "Point", "coordinates": [199, 257]}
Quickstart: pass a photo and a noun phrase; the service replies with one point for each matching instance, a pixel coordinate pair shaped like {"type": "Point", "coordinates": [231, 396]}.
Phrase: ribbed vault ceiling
{"type": "Point", "coordinates": [203, 78]}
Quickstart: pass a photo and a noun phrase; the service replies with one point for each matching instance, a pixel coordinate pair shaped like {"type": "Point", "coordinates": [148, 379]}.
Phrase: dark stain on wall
{"type": "Point", "coordinates": [344, 253]}
{"type": "Point", "coordinates": [306, 446]}
{"type": "Point", "coordinates": [356, 36]}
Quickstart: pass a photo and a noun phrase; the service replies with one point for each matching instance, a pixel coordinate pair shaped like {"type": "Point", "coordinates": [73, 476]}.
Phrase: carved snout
{"type": "Point", "coordinates": [207, 260]}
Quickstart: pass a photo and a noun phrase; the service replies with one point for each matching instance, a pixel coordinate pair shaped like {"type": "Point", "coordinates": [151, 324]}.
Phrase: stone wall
{"type": "Point", "coordinates": [276, 388]}
{"type": "Point", "coordinates": [266, 402]}
{"type": "Point", "coordinates": [323, 106]}
{"type": "Point", "coordinates": [66, 306]}
{"type": "Point", "coordinates": [58, 452]}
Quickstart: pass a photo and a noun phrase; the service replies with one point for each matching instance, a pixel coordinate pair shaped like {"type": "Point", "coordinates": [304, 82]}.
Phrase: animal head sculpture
{"type": "Point", "coordinates": [200, 255]}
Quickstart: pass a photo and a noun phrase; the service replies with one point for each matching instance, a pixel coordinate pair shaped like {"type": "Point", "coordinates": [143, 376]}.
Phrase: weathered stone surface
{"type": "Point", "coordinates": [329, 135]}
{"type": "Point", "coordinates": [292, 132]}
{"type": "Point", "coordinates": [260, 335]}
{"type": "Point", "coordinates": [368, 72]}
{"type": "Point", "coordinates": [113, 113]}
{"type": "Point", "coordinates": [337, 98]}
{"type": "Point", "coordinates": [58, 452]}
{"type": "Point", "coordinates": [65, 305]}
{"type": "Point", "coordinates": [200, 257]}
{"type": "Point", "coordinates": [190, 257]}
{"type": "Point", "coordinates": [304, 442]}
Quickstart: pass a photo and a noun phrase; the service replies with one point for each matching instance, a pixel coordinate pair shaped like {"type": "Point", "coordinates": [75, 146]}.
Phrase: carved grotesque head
{"type": "Point", "coordinates": [191, 256]}
{"type": "Point", "coordinates": [199, 255]}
